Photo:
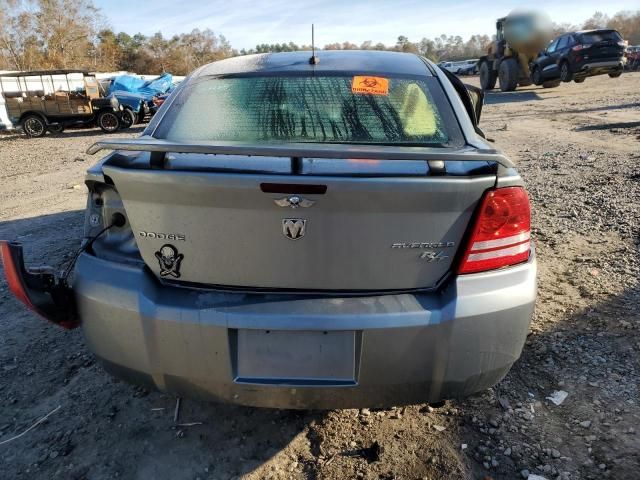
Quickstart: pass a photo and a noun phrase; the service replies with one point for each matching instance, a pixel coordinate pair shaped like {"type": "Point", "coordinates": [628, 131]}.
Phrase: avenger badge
{"type": "Point", "coordinates": [169, 260]}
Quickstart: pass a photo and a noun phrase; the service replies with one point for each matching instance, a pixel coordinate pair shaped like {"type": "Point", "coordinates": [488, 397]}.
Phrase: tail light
{"type": "Point", "coordinates": [501, 233]}
{"type": "Point", "coordinates": [577, 48]}
{"type": "Point", "coordinates": [13, 275]}
{"type": "Point", "coordinates": [38, 289]}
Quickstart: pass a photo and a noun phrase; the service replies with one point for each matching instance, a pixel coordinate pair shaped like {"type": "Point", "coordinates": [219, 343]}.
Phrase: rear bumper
{"type": "Point", "coordinates": [598, 66]}
{"type": "Point", "coordinates": [409, 348]}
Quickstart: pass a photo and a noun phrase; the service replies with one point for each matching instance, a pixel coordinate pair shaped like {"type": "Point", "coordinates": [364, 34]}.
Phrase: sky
{"type": "Point", "coordinates": [246, 23]}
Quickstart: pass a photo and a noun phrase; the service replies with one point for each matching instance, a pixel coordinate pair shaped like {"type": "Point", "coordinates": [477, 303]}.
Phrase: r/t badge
{"type": "Point", "coordinates": [169, 260]}
{"type": "Point", "coordinates": [431, 257]}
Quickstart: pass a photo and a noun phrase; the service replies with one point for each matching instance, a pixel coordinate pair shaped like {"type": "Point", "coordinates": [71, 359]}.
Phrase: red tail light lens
{"type": "Point", "coordinates": [39, 290]}
{"type": "Point", "coordinates": [14, 279]}
{"type": "Point", "coordinates": [577, 48]}
{"type": "Point", "coordinates": [501, 233]}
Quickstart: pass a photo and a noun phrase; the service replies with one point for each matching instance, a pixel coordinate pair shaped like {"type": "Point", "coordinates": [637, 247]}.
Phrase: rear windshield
{"type": "Point", "coordinates": [316, 109]}
{"type": "Point", "coordinates": [596, 37]}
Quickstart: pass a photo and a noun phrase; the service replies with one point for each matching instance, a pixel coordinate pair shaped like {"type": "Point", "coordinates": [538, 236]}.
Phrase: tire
{"type": "Point", "coordinates": [128, 118]}
{"type": "Point", "coordinates": [615, 74]}
{"type": "Point", "coordinates": [508, 73]}
{"type": "Point", "coordinates": [108, 121]}
{"type": "Point", "coordinates": [487, 76]}
{"type": "Point", "coordinates": [536, 76]}
{"type": "Point", "coordinates": [34, 126]}
{"type": "Point", "coordinates": [56, 129]}
{"type": "Point", "coordinates": [551, 84]}
{"type": "Point", "coordinates": [566, 75]}
{"type": "Point", "coordinates": [579, 80]}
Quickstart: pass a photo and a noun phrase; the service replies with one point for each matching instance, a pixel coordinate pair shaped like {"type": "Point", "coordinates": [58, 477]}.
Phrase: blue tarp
{"type": "Point", "coordinates": [147, 88]}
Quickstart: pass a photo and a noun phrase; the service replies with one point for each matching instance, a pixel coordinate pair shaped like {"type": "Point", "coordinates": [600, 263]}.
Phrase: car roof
{"type": "Point", "coordinates": [582, 32]}
{"type": "Point", "coordinates": [595, 30]}
{"type": "Point", "coordinates": [333, 61]}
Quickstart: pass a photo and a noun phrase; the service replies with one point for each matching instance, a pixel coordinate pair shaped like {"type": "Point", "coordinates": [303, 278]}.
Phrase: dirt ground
{"type": "Point", "coordinates": [578, 149]}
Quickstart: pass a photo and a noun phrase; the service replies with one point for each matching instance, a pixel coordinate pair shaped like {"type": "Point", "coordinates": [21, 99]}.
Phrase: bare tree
{"type": "Point", "coordinates": [74, 34]}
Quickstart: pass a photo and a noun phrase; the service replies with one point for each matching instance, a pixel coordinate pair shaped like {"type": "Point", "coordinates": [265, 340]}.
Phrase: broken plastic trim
{"type": "Point", "coordinates": [39, 289]}
{"type": "Point", "coordinates": [300, 150]}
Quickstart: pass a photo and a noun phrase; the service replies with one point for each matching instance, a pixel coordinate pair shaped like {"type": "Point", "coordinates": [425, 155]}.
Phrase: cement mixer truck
{"type": "Point", "coordinates": [520, 37]}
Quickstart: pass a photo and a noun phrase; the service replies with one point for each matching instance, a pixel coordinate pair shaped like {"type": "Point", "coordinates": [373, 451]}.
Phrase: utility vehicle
{"type": "Point", "coordinates": [51, 100]}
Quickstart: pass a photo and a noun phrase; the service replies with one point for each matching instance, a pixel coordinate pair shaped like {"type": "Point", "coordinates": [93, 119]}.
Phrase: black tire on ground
{"type": "Point", "coordinates": [566, 75]}
{"type": "Point", "coordinates": [108, 121]}
{"type": "Point", "coordinates": [579, 80]}
{"type": "Point", "coordinates": [536, 76]}
{"type": "Point", "coordinates": [57, 128]}
{"type": "Point", "coordinates": [34, 126]}
{"type": "Point", "coordinates": [487, 76]}
{"type": "Point", "coordinates": [615, 74]}
{"type": "Point", "coordinates": [128, 118]}
{"type": "Point", "coordinates": [551, 84]}
{"type": "Point", "coordinates": [508, 73]}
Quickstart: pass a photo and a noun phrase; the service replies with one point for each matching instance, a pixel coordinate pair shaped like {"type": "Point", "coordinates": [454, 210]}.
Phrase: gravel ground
{"type": "Point", "coordinates": [577, 148]}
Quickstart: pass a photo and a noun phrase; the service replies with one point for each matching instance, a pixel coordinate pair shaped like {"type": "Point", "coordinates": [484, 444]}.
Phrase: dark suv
{"type": "Point", "coordinates": [578, 55]}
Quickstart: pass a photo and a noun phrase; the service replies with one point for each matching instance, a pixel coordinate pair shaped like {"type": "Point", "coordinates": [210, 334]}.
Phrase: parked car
{"type": "Point", "coordinates": [138, 94]}
{"type": "Point", "coordinates": [41, 101]}
{"type": "Point", "coordinates": [464, 67]}
{"type": "Point", "coordinates": [157, 101]}
{"type": "Point", "coordinates": [449, 66]}
{"type": "Point", "coordinates": [291, 232]}
{"type": "Point", "coordinates": [633, 57]}
{"type": "Point", "coordinates": [578, 55]}
{"type": "Point", "coordinates": [135, 106]}
{"type": "Point", "coordinates": [468, 67]}
{"type": "Point", "coordinates": [453, 67]}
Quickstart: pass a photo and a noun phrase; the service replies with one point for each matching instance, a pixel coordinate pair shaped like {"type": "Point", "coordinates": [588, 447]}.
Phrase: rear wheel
{"type": "Point", "coordinates": [108, 121]}
{"type": "Point", "coordinates": [615, 74]}
{"type": "Point", "coordinates": [579, 80]}
{"type": "Point", "coordinates": [551, 84]}
{"type": "Point", "coordinates": [128, 118]}
{"type": "Point", "coordinates": [508, 72]}
{"type": "Point", "coordinates": [566, 75]}
{"type": "Point", "coordinates": [34, 126]}
{"type": "Point", "coordinates": [487, 76]}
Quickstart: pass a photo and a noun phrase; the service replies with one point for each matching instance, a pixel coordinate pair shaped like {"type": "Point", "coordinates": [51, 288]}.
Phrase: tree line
{"type": "Point", "coordinates": [48, 34]}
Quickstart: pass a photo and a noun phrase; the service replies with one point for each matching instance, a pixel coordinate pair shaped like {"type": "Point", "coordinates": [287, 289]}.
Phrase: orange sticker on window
{"type": "Point", "coordinates": [370, 85]}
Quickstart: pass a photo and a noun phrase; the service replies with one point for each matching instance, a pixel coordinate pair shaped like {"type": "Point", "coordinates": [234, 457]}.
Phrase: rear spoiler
{"type": "Point", "coordinates": [158, 148]}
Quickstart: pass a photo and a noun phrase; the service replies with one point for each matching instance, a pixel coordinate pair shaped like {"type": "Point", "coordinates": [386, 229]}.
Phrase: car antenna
{"type": "Point", "coordinates": [313, 60]}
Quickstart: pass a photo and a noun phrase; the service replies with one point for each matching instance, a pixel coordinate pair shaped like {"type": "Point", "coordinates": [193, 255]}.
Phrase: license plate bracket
{"type": "Point", "coordinates": [296, 357]}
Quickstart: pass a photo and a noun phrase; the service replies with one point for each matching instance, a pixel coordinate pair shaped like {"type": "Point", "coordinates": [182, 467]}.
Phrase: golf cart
{"type": "Point", "coordinates": [51, 100]}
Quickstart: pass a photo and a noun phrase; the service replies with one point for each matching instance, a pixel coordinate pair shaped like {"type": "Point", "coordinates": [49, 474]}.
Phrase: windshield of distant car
{"type": "Point", "coordinates": [331, 109]}
{"type": "Point", "coordinates": [596, 37]}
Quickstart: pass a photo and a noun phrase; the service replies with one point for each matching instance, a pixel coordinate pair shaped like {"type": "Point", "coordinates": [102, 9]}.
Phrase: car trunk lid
{"type": "Point", "coordinates": [358, 224]}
